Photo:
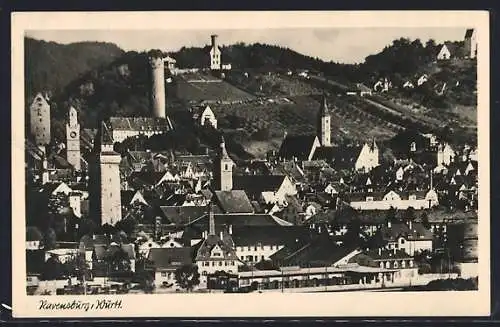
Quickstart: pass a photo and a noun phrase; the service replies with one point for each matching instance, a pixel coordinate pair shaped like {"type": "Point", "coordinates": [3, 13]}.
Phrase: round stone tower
{"type": "Point", "coordinates": [158, 87]}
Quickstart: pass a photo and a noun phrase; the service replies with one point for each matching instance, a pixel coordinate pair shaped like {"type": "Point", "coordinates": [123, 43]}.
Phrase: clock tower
{"type": "Point", "coordinates": [73, 139]}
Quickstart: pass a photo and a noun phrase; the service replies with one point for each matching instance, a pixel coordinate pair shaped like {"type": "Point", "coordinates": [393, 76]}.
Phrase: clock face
{"type": "Point", "coordinates": [73, 134]}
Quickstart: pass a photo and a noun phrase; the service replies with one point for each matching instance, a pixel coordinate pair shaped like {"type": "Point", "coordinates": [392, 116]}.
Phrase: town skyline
{"type": "Point", "coordinates": [340, 45]}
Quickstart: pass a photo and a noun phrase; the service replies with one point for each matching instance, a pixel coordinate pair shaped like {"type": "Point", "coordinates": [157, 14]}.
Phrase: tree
{"type": "Point", "coordinates": [187, 276]}
{"type": "Point", "coordinates": [410, 214]}
{"type": "Point", "coordinates": [425, 220]}
{"type": "Point", "coordinates": [49, 239]}
{"type": "Point", "coordinates": [53, 269]}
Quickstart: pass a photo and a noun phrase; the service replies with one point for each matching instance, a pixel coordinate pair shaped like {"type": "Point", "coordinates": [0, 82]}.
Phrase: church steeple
{"type": "Point", "coordinates": [224, 169]}
{"type": "Point", "coordinates": [73, 139]}
{"type": "Point", "coordinates": [324, 124]}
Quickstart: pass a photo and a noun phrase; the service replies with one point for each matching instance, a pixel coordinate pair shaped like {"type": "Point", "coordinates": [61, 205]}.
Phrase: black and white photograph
{"type": "Point", "coordinates": [224, 162]}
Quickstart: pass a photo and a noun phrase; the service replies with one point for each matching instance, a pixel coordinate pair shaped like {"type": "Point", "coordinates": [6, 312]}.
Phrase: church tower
{"type": "Point", "coordinates": [324, 124]}
{"type": "Point", "coordinates": [105, 192]}
{"type": "Point", "coordinates": [40, 120]}
{"type": "Point", "coordinates": [215, 54]}
{"type": "Point", "coordinates": [223, 174]}
{"type": "Point", "coordinates": [73, 139]}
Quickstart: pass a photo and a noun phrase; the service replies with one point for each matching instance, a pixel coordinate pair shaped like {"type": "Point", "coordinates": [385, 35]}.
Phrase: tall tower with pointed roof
{"type": "Point", "coordinates": [324, 124]}
{"type": "Point", "coordinates": [40, 120]}
{"type": "Point", "coordinates": [105, 175]}
{"type": "Point", "coordinates": [73, 139]}
{"type": "Point", "coordinates": [223, 173]}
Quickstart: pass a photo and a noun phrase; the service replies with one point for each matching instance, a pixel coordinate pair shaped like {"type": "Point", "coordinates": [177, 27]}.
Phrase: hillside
{"type": "Point", "coordinates": [263, 96]}
{"type": "Point", "coordinates": [50, 66]}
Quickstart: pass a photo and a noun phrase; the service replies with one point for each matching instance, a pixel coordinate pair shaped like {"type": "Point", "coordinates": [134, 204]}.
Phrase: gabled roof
{"type": "Point", "coordinates": [234, 201]}
{"type": "Point", "coordinates": [254, 185]}
{"type": "Point", "coordinates": [170, 258]}
{"type": "Point", "coordinates": [146, 177]}
{"type": "Point", "coordinates": [183, 215]}
{"type": "Point", "coordinates": [268, 235]}
{"type": "Point", "coordinates": [298, 146]}
{"type": "Point", "coordinates": [417, 232]}
{"type": "Point", "coordinates": [239, 220]}
{"type": "Point", "coordinates": [226, 244]}
{"type": "Point", "coordinates": [139, 123]}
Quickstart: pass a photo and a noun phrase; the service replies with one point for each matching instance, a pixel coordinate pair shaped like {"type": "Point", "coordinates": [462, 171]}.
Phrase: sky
{"type": "Point", "coordinates": [344, 45]}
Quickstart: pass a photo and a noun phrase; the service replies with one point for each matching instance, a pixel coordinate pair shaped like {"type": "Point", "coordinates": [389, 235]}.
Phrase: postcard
{"type": "Point", "coordinates": [250, 164]}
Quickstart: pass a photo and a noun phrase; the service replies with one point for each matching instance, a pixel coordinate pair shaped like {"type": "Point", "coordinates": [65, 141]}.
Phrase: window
{"type": "Point", "coordinates": [220, 263]}
{"type": "Point", "coordinates": [262, 258]}
{"type": "Point", "coordinates": [402, 241]}
{"type": "Point", "coordinates": [225, 263]}
{"type": "Point", "coordinates": [256, 259]}
{"type": "Point", "coordinates": [242, 258]}
{"type": "Point", "coordinates": [249, 249]}
{"type": "Point", "coordinates": [232, 263]}
{"type": "Point", "coordinates": [207, 263]}
{"type": "Point", "coordinates": [213, 263]}
{"type": "Point", "coordinates": [369, 198]}
{"type": "Point", "coordinates": [255, 248]}
{"type": "Point", "coordinates": [226, 167]}
{"type": "Point", "coordinates": [163, 274]}
{"type": "Point", "coordinates": [204, 273]}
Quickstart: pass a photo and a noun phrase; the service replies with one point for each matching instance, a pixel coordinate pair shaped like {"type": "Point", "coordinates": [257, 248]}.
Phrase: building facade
{"type": "Point", "coordinates": [215, 55]}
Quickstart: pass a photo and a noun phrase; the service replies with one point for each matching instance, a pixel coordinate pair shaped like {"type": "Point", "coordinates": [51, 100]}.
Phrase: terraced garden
{"type": "Point", "coordinates": [201, 88]}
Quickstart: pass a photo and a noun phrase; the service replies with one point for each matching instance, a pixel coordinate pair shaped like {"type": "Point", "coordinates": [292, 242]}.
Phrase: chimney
{"type": "Point", "coordinates": [410, 224]}
{"type": "Point", "coordinates": [214, 40]}
{"type": "Point", "coordinates": [389, 224]}
{"type": "Point", "coordinates": [395, 250]}
{"type": "Point", "coordinates": [230, 229]}
{"type": "Point", "coordinates": [379, 251]}
{"type": "Point", "coordinates": [211, 221]}
{"type": "Point", "coordinates": [221, 235]}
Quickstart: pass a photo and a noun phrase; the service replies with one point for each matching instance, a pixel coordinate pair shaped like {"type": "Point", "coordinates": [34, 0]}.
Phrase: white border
{"type": "Point", "coordinates": [254, 305]}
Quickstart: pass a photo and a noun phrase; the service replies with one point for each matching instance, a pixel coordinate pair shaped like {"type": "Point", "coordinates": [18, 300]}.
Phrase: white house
{"type": "Point", "coordinates": [445, 154]}
{"type": "Point", "coordinates": [411, 237]}
{"type": "Point", "coordinates": [204, 116]}
{"type": "Point", "coordinates": [422, 79]}
{"type": "Point", "coordinates": [444, 53]}
{"type": "Point", "coordinates": [164, 263]}
{"type": "Point", "coordinates": [470, 43]}
{"type": "Point", "coordinates": [373, 201]}
{"type": "Point", "coordinates": [368, 157]}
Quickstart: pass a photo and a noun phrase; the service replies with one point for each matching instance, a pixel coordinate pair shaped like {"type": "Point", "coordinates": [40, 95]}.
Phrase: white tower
{"type": "Point", "coordinates": [224, 170]}
{"type": "Point", "coordinates": [110, 208]}
{"type": "Point", "coordinates": [73, 139]}
{"type": "Point", "coordinates": [40, 120]}
{"type": "Point", "coordinates": [215, 54]}
{"type": "Point", "coordinates": [158, 100]}
{"type": "Point", "coordinates": [324, 125]}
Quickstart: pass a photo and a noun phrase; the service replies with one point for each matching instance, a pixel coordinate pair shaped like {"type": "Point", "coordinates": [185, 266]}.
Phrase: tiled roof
{"type": "Point", "coordinates": [417, 232]}
{"type": "Point", "coordinates": [298, 146]}
{"type": "Point", "coordinates": [181, 216]}
{"type": "Point", "coordinates": [254, 185]}
{"type": "Point", "coordinates": [387, 254]}
{"type": "Point", "coordinates": [170, 258]}
{"type": "Point", "coordinates": [268, 235]}
{"type": "Point", "coordinates": [139, 123]}
{"type": "Point", "coordinates": [146, 177]}
{"type": "Point", "coordinates": [226, 245]}
{"type": "Point", "coordinates": [239, 220]}
{"type": "Point", "coordinates": [234, 201]}
{"type": "Point", "coordinates": [318, 253]}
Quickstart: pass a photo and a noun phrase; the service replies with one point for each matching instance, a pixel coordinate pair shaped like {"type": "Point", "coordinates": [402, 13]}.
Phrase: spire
{"type": "Point", "coordinates": [223, 152]}
{"type": "Point", "coordinates": [211, 220]}
{"type": "Point", "coordinates": [324, 106]}
{"type": "Point", "coordinates": [106, 136]}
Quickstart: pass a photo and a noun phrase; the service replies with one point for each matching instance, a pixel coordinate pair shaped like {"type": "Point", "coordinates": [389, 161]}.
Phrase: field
{"type": "Point", "coordinates": [199, 87]}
